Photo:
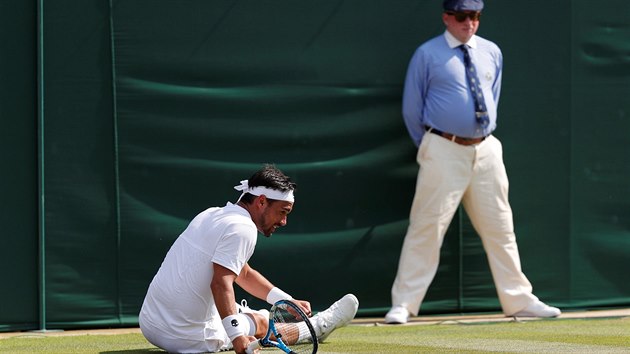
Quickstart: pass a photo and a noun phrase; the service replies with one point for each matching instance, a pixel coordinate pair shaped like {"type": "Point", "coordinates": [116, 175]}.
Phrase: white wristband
{"type": "Point", "coordinates": [235, 325]}
{"type": "Point", "coordinates": [276, 295]}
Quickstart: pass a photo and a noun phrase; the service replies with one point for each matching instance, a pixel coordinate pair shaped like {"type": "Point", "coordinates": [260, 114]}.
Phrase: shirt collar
{"type": "Point", "coordinates": [454, 42]}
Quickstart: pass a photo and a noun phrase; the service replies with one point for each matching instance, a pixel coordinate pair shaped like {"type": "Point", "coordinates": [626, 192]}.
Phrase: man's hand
{"type": "Point", "coordinates": [305, 306]}
{"type": "Point", "coordinates": [241, 343]}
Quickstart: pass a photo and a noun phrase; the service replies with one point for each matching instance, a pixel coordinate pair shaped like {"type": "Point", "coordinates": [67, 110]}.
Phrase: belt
{"type": "Point", "coordinates": [454, 138]}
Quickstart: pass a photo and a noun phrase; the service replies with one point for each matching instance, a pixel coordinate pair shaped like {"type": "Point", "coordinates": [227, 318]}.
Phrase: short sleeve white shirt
{"type": "Point", "coordinates": [179, 300]}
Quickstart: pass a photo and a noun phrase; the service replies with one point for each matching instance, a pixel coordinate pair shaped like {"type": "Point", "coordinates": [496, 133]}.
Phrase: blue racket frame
{"type": "Point", "coordinates": [266, 341]}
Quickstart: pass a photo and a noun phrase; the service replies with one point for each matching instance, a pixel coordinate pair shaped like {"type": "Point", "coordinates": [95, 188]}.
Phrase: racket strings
{"type": "Point", "coordinates": [293, 330]}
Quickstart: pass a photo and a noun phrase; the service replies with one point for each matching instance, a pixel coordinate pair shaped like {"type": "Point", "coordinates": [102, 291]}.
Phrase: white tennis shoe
{"type": "Point", "coordinates": [397, 315]}
{"type": "Point", "coordinates": [337, 315]}
{"type": "Point", "coordinates": [538, 309]}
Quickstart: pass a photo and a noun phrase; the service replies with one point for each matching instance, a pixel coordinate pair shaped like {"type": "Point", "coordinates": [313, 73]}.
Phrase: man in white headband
{"type": "Point", "coordinates": [190, 306]}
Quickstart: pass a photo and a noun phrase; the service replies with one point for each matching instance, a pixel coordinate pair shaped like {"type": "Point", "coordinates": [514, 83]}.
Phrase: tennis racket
{"type": "Point", "coordinates": [290, 330]}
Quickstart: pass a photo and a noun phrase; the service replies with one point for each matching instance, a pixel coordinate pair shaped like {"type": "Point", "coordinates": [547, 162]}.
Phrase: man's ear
{"type": "Point", "coordinates": [261, 200]}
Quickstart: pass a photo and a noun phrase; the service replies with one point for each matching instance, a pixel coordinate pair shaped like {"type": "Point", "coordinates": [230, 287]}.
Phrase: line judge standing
{"type": "Point", "coordinates": [450, 110]}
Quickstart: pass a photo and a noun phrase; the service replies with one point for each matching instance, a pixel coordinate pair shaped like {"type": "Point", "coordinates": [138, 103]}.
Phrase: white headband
{"type": "Point", "coordinates": [268, 192]}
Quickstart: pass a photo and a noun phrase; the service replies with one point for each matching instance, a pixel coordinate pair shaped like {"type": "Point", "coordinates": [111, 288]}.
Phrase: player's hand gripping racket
{"type": "Point", "coordinates": [289, 330]}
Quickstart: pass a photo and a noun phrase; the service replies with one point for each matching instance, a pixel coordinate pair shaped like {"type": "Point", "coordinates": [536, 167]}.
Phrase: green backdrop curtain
{"type": "Point", "coordinates": [121, 120]}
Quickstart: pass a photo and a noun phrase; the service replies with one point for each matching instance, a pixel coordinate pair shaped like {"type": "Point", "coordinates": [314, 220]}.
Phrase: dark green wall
{"type": "Point", "coordinates": [18, 163]}
{"type": "Point", "coordinates": [153, 110]}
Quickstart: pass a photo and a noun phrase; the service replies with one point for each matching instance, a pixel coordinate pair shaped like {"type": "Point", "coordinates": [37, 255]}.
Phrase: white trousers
{"type": "Point", "coordinates": [475, 176]}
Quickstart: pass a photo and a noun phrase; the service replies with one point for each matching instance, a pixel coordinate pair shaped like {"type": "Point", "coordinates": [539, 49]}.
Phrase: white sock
{"type": "Point", "coordinates": [303, 332]}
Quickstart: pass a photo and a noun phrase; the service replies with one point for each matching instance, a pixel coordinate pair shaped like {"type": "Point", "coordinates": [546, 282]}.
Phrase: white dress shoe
{"type": "Point", "coordinates": [538, 309]}
{"type": "Point", "coordinates": [397, 315]}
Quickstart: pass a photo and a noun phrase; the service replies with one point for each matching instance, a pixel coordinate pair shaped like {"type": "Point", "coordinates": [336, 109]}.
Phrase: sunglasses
{"type": "Point", "coordinates": [461, 16]}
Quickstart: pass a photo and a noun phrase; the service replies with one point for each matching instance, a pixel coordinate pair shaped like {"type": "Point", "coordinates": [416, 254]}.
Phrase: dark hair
{"type": "Point", "coordinates": [271, 177]}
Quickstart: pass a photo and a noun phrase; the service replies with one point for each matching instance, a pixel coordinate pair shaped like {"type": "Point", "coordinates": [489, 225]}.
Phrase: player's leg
{"type": "Point", "coordinates": [337, 315]}
{"type": "Point", "coordinates": [258, 319]}
{"type": "Point", "coordinates": [324, 323]}
{"type": "Point", "coordinates": [216, 339]}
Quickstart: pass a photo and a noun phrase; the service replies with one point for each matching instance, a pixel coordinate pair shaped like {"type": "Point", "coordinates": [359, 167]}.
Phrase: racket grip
{"type": "Point", "coordinates": [253, 346]}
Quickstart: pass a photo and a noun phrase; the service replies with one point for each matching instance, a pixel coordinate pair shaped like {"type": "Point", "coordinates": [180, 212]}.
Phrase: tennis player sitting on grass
{"type": "Point", "coordinates": [190, 305]}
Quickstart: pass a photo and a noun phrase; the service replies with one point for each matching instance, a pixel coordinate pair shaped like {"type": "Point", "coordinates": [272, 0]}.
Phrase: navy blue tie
{"type": "Point", "coordinates": [481, 113]}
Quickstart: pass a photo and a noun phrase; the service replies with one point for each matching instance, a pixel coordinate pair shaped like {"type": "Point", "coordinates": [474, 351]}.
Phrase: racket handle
{"type": "Point", "coordinates": [253, 346]}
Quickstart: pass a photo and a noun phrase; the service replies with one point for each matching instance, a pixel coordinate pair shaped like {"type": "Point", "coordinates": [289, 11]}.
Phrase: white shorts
{"type": "Point", "coordinates": [214, 337]}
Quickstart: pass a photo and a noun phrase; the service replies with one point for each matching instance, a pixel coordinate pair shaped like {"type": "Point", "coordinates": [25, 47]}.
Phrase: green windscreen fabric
{"type": "Point", "coordinates": [152, 110]}
{"type": "Point", "coordinates": [80, 235]}
{"type": "Point", "coordinates": [600, 155]}
{"type": "Point", "coordinates": [18, 164]}
{"type": "Point", "coordinates": [205, 97]}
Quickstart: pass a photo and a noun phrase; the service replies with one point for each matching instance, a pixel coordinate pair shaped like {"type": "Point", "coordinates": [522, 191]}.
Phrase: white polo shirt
{"type": "Point", "coordinates": [179, 301]}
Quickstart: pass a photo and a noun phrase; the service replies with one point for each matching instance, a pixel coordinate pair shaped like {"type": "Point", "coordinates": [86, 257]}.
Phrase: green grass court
{"type": "Point", "coordinates": [578, 334]}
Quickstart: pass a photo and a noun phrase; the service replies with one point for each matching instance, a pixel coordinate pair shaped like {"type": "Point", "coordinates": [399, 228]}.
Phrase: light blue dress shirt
{"type": "Point", "coordinates": [436, 93]}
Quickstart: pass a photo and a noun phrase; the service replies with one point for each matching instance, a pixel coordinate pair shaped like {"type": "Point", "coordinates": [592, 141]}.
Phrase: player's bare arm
{"type": "Point", "coordinates": [256, 284]}
{"type": "Point", "coordinates": [253, 282]}
{"type": "Point", "coordinates": [222, 286]}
